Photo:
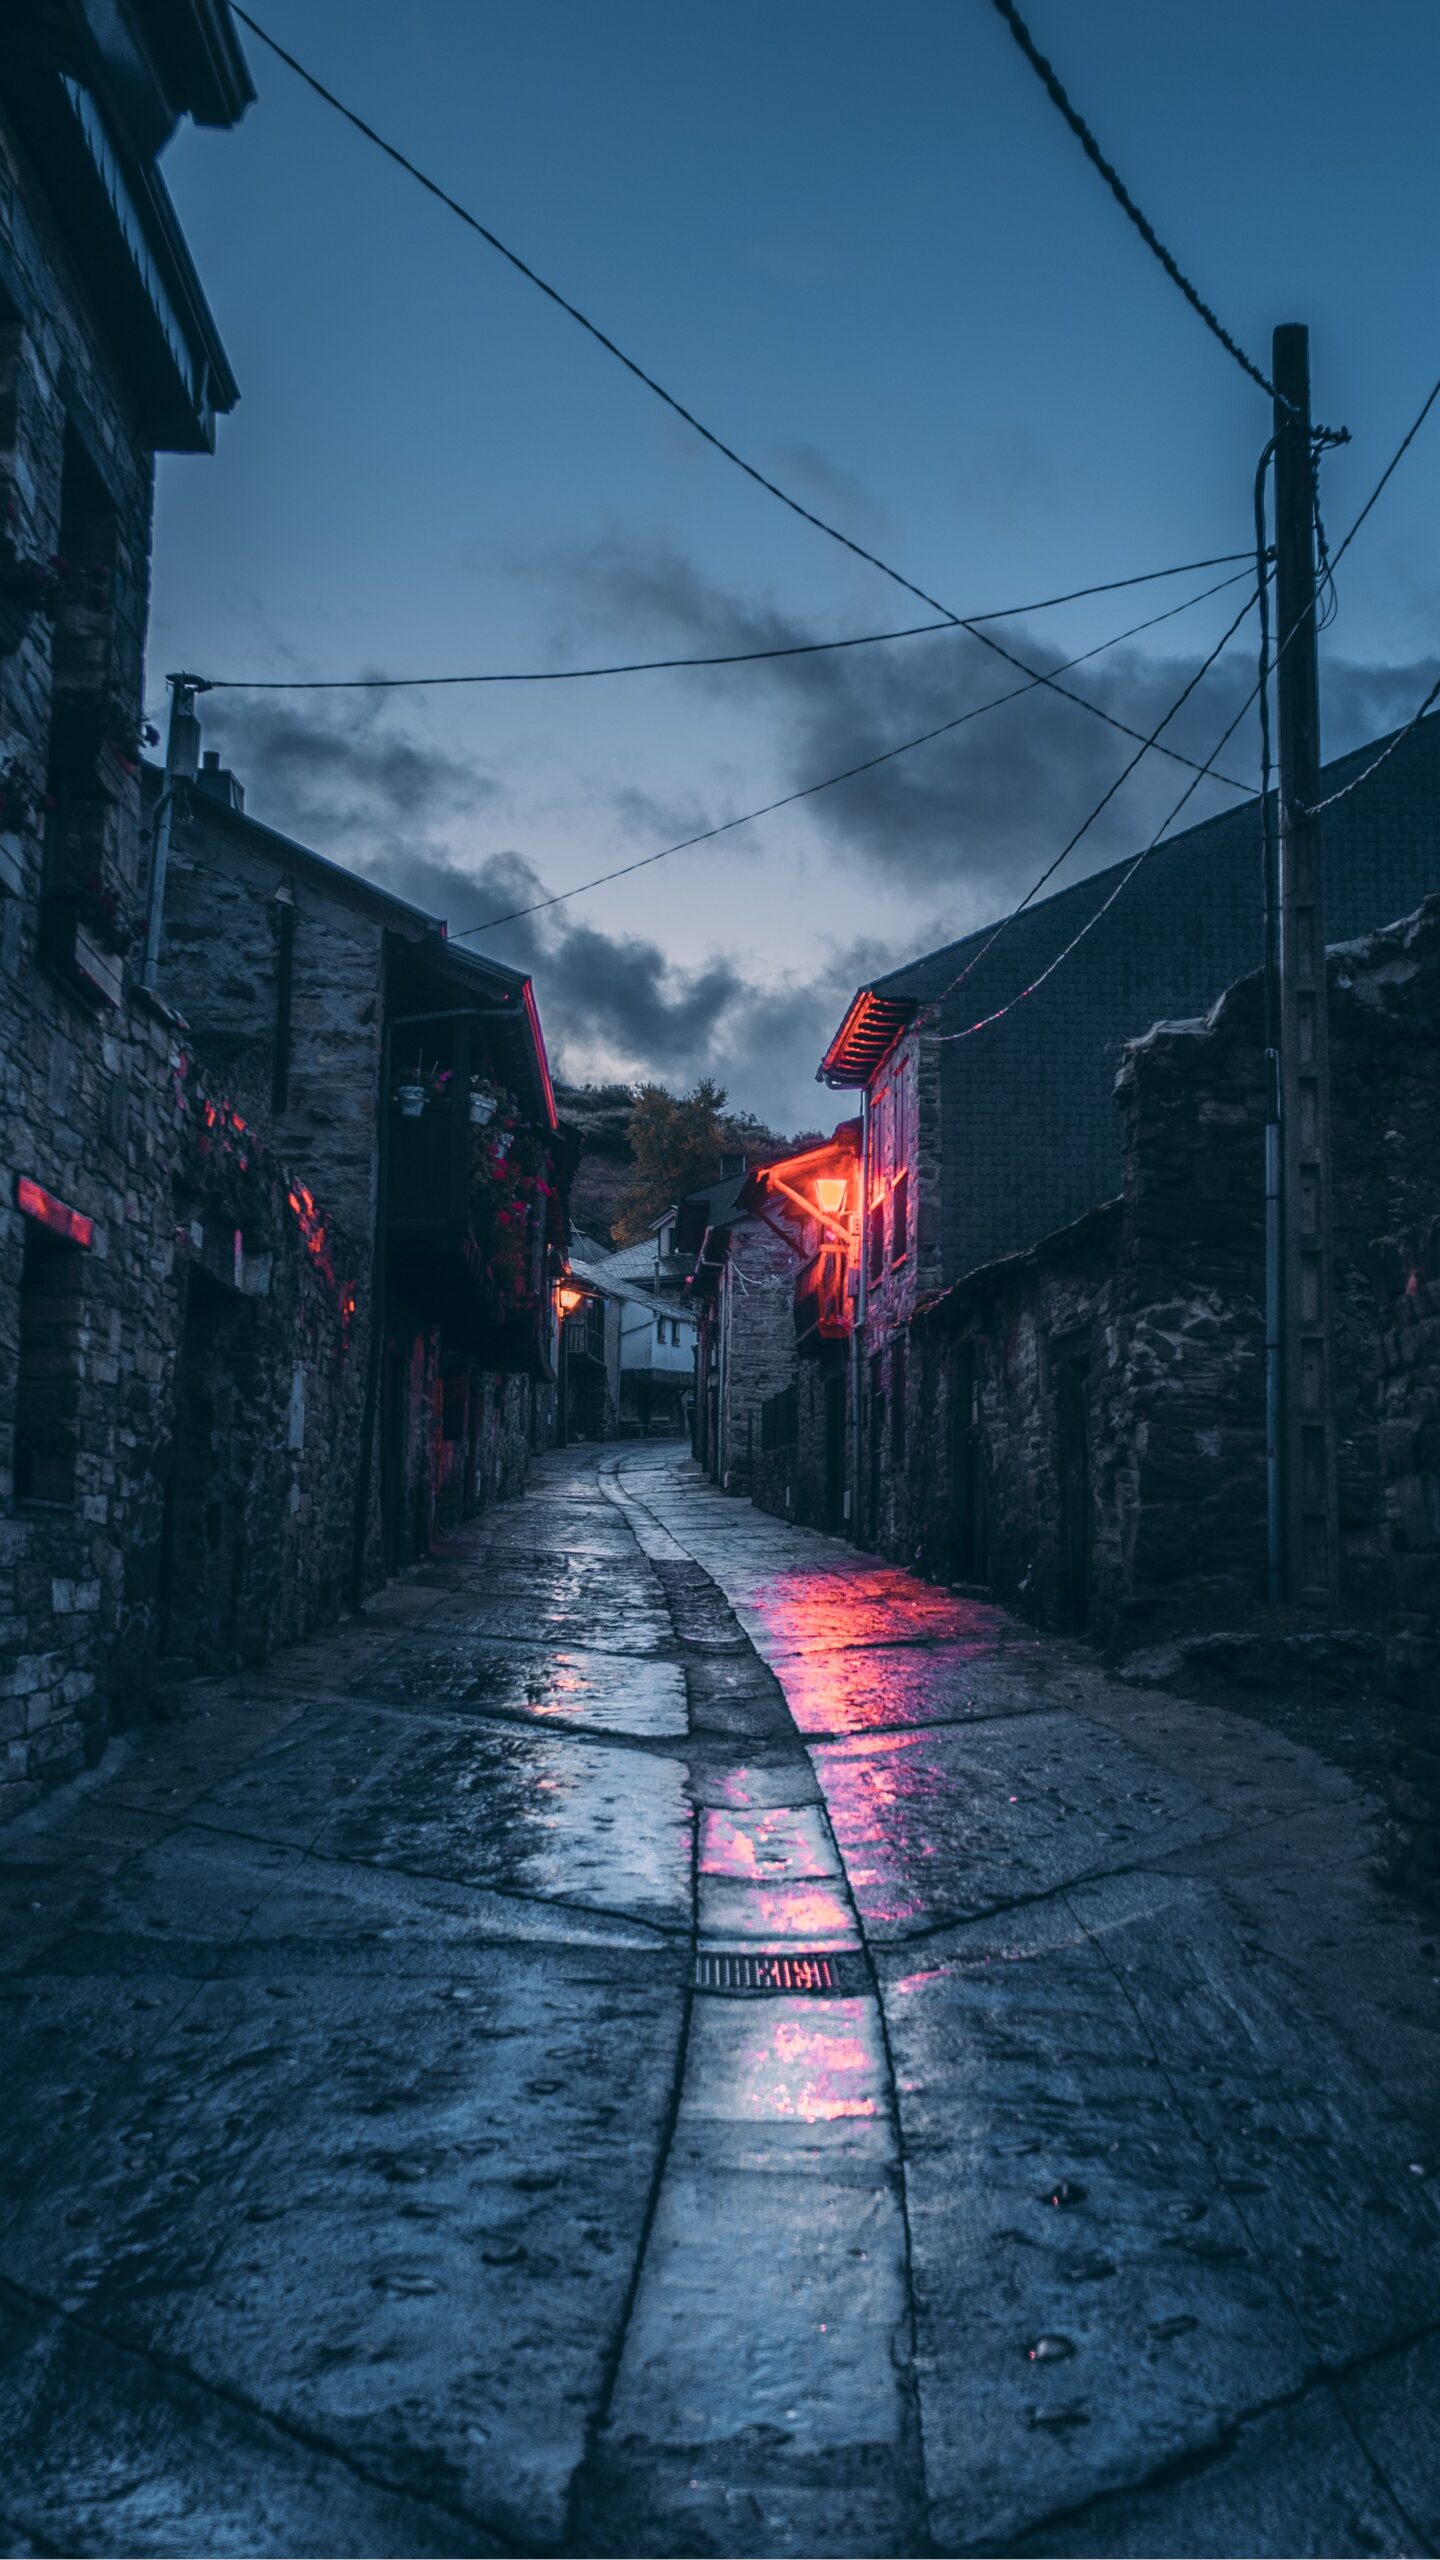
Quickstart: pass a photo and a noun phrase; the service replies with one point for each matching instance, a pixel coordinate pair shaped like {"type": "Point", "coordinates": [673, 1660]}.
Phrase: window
{"type": "Point", "coordinates": [897, 1404]}
{"type": "Point", "coordinates": [877, 1237]}
{"type": "Point", "coordinates": [88, 541]}
{"type": "Point", "coordinates": [47, 1386]}
{"type": "Point", "coordinates": [900, 1218]}
{"type": "Point", "coordinates": [780, 1419]}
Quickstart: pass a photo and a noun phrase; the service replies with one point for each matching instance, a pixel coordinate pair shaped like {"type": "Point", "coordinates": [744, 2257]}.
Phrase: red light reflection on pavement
{"type": "Point", "coordinates": [809, 1915]}
{"type": "Point", "coordinates": [782, 1843]}
{"type": "Point", "coordinates": [804, 1609]}
{"type": "Point", "coordinates": [888, 1804]}
{"type": "Point", "coordinates": [808, 2070]}
{"type": "Point", "coordinates": [875, 1648]}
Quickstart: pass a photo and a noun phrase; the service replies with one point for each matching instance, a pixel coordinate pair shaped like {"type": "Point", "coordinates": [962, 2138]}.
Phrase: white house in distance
{"type": "Point", "coordinates": [655, 1385]}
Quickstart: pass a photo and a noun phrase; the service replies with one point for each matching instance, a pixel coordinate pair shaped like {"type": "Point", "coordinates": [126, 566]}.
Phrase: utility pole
{"type": "Point", "coordinates": [1309, 1510]}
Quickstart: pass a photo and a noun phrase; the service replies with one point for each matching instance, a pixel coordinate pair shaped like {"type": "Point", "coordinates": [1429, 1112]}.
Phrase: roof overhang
{"type": "Point", "coordinates": [865, 1038]}
{"type": "Point", "coordinates": [782, 1180]}
{"type": "Point", "coordinates": [120, 227]}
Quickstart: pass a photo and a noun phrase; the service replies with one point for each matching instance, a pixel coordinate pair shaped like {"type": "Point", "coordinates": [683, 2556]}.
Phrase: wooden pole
{"type": "Point", "coordinates": [1311, 1540]}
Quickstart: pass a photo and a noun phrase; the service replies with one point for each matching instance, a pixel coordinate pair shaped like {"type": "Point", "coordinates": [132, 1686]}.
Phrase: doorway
{"type": "Point", "coordinates": [875, 1506]}
{"type": "Point", "coordinates": [1072, 1464]}
{"type": "Point", "coordinates": [207, 1492]}
{"type": "Point", "coordinates": [835, 1433]}
{"type": "Point", "coordinates": [969, 1520]}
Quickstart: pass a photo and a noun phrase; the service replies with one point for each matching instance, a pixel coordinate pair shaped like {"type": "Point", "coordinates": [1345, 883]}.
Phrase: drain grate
{"type": "Point", "coordinates": [741, 1973]}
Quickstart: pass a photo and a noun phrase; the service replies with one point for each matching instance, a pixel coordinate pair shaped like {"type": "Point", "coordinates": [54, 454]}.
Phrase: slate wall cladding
{"type": "Point", "coordinates": [1031, 1139]}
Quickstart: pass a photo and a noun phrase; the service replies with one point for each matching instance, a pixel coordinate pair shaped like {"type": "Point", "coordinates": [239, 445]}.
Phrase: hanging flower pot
{"type": "Point", "coordinates": [411, 1098]}
{"type": "Point", "coordinates": [501, 1141]}
{"type": "Point", "coordinates": [482, 1110]}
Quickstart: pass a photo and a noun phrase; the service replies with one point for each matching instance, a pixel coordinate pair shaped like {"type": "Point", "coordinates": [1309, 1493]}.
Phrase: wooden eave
{"type": "Point", "coordinates": [871, 1027]}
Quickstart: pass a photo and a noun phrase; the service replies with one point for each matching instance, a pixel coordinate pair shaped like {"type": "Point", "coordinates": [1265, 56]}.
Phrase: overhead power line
{"type": "Point", "coordinates": [1121, 885]}
{"type": "Point", "coordinates": [722, 658]}
{"type": "Point", "coordinates": [809, 790]}
{"type": "Point", "coordinates": [1256, 692]}
{"type": "Point", "coordinates": [1058, 96]}
{"type": "Point", "coordinates": [1383, 757]}
{"type": "Point", "coordinates": [1100, 807]}
{"type": "Point", "coordinates": [602, 338]}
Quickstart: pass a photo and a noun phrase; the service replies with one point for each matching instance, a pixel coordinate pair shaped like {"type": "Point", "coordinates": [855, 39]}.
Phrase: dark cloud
{"type": "Point", "coordinates": [348, 778]}
{"type": "Point", "coordinates": [809, 472]}
{"type": "Point", "coordinates": [979, 808]}
{"type": "Point", "coordinates": [340, 773]}
{"type": "Point", "coordinates": [970, 818]}
{"type": "Point", "coordinates": [974, 814]}
{"type": "Point", "coordinates": [617, 998]}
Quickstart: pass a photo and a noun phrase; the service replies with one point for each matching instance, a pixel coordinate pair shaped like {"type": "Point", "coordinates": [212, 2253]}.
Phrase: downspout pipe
{"type": "Point", "coordinates": [1274, 1199]}
{"type": "Point", "coordinates": [182, 763]}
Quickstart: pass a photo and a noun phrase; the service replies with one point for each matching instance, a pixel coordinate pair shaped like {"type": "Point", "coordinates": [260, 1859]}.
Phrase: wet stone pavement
{"type": "Point", "coordinates": [670, 2036]}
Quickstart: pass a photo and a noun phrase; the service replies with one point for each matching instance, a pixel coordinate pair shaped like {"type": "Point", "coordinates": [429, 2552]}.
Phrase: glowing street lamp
{"type": "Point", "coordinates": [568, 1298]}
{"type": "Point", "coordinates": [830, 1193]}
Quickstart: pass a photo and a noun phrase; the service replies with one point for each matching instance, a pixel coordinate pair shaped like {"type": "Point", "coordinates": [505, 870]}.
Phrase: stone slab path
{"type": "Point", "coordinates": [670, 2036]}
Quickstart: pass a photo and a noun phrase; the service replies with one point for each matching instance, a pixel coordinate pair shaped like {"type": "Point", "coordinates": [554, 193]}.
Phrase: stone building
{"type": "Point", "coordinates": [741, 1286]}
{"type": "Point", "coordinates": [770, 1251]}
{"type": "Point", "coordinates": [588, 1392]}
{"type": "Point", "coordinates": [1097, 1448]}
{"type": "Point", "coordinates": [409, 1078]}
{"type": "Point", "coordinates": [108, 355]}
{"type": "Point", "coordinates": [978, 1147]}
{"type": "Point", "coordinates": [656, 1331]}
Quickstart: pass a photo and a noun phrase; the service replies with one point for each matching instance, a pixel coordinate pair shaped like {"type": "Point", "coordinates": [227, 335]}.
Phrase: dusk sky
{"type": "Point", "coordinates": [861, 245]}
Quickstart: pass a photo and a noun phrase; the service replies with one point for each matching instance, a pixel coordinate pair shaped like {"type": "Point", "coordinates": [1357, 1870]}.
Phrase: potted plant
{"type": "Point", "coordinates": [98, 908]}
{"type": "Point", "coordinates": [484, 1103]}
{"type": "Point", "coordinates": [411, 1099]}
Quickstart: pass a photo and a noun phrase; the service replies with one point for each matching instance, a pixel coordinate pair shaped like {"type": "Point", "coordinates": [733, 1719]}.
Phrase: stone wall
{"type": "Point", "coordinates": [83, 1082]}
{"type": "Point", "coordinates": [464, 1438]}
{"type": "Point", "coordinates": [1143, 1328]}
{"type": "Point", "coordinates": [232, 891]}
{"type": "Point", "coordinates": [1017, 1356]}
{"type": "Point", "coordinates": [201, 1377]}
{"type": "Point", "coordinates": [755, 1323]}
{"type": "Point", "coordinates": [792, 1479]}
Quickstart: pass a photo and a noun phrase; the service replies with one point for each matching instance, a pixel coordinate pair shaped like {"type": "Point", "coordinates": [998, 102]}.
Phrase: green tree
{"type": "Point", "coordinates": [676, 1142]}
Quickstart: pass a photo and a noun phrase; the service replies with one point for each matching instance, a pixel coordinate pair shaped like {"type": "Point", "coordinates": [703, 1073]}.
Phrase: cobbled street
{"type": "Point", "coordinates": [401, 2154]}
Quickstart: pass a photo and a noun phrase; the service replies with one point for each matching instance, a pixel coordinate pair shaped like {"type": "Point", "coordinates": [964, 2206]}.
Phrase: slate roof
{"type": "Point", "coordinates": [1029, 1132]}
